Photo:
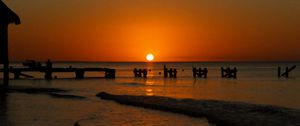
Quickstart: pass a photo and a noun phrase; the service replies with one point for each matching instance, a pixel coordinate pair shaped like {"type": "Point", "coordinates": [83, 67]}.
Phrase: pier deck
{"type": "Point", "coordinates": [109, 73]}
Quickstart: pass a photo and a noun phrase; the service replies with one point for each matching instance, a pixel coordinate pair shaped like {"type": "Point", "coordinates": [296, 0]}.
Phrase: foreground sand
{"type": "Point", "coordinates": [221, 113]}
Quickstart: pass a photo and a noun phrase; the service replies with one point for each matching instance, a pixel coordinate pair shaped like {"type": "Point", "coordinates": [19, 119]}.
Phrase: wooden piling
{"type": "Point", "coordinates": [229, 73]}
{"type": "Point", "coordinates": [17, 74]}
{"type": "Point", "coordinates": [205, 72]}
{"type": "Point", "coordinates": [234, 72]}
{"type": "Point", "coordinates": [279, 72]}
{"type": "Point", "coordinates": [110, 73]}
{"type": "Point", "coordinates": [7, 17]}
{"type": "Point", "coordinates": [194, 72]}
{"type": "Point", "coordinates": [79, 74]}
{"type": "Point", "coordinates": [222, 72]}
{"type": "Point", "coordinates": [286, 73]}
{"type": "Point", "coordinates": [4, 51]}
{"type": "Point", "coordinates": [165, 71]}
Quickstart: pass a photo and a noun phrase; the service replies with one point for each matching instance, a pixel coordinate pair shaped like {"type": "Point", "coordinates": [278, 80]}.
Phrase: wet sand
{"type": "Point", "coordinates": [53, 92]}
{"type": "Point", "coordinates": [221, 113]}
{"type": "Point", "coordinates": [54, 106]}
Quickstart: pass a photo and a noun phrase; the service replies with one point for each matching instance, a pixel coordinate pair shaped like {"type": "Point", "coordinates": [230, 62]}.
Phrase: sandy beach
{"type": "Point", "coordinates": [52, 106]}
{"type": "Point", "coordinates": [221, 113]}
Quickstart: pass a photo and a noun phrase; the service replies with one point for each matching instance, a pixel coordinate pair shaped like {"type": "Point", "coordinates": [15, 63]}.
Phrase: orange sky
{"type": "Point", "coordinates": [173, 30]}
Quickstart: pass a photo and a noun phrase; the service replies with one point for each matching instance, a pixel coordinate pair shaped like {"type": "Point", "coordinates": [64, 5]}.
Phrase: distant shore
{"type": "Point", "coordinates": [221, 113]}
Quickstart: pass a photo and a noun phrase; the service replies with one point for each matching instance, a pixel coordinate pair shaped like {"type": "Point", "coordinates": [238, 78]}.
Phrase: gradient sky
{"type": "Point", "coordinates": [173, 30]}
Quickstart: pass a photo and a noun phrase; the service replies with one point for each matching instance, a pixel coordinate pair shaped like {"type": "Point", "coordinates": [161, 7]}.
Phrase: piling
{"type": "Point", "coordinates": [172, 73]}
{"type": "Point", "coordinates": [79, 74]}
{"type": "Point", "coordinates": [200, 73]}
{"type": "Point", "coordinates": [165, 71]}
{"type": "Point", "coordinates": [286, 72]}
{"type": "Point", "coordinates": [48, 72]}
{"type": "Point", "coordinates": [7, 17]}
{"type": "Point", "coordinates": [228, 72]}
{"type": "Point", "coordinates": [4, 51]}
{"type": "Point", "coordinates": [279, 72]}
{"type": "Point", "coordinates": [138, 73]}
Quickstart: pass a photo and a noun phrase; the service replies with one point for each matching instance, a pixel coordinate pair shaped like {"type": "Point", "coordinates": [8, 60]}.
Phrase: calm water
{"type": "Point", "coordinates": [256, 83]}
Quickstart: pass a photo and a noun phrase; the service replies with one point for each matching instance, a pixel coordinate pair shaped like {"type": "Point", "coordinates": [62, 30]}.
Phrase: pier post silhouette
{"type": "Point", "coordinates": [200, 73]}
{"type": "Point", "coordinates": [79, 74]}
{"type": "Point", "coordinates": [229, 73]}
{"type": "Point", "coordinates": [48, 72]}
{"type": "Point", "coordinates": [7, 16]}
{"type": "Point", "coordinates": [172, 72]}
{"type": "Point", "coordinates": [165, 71]}
{"type": "Point", "coordinates": [145, 73]}
{"type": "Point", "coordinates": [204, 73]}
{"type": "Point", "coordinates": [194, 72]}
{"type": "Point", "coordinates": [175, 73]}
{"type": "Point", "coordinates": [110, 73]}
{"type": "Point", "coordinates": [140, 73]}
{"type": "Point", "coordinates": [135, 72]}
{"type": "Point", "coordinates": [286, 73]}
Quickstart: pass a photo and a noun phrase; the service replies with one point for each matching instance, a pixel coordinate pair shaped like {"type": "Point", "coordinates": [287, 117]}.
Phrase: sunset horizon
{"type": "Point", "coordinates": [149, 62]}
{"type": "Point", "coordinates": [192, 30]}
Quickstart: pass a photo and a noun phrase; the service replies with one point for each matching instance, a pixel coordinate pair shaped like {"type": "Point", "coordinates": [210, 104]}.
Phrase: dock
{"type": "Point", "coordinates": [79, 72]}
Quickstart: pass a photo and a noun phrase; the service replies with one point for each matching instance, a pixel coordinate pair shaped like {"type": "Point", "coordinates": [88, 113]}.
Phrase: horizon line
{"type": "Point", "coordinates": [77, 61]}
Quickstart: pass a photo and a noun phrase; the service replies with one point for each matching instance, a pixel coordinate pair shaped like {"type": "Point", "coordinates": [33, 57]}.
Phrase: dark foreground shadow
{"type": "Point", "coordinates": [3, 108]}
{"type": "Point", "coordinates": [221, 113]}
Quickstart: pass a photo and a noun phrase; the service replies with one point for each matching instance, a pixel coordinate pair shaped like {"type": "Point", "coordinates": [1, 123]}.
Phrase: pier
{"type": "Point", "coordinates": [79, 72]}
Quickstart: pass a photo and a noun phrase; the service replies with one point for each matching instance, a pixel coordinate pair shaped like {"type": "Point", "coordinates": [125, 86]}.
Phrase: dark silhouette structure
{"type": "Point", "coordinates": [145, 73]}
{"type": "Point", "coordinates": [48, 70]}
{"type": "Point", "coordinates": [200, 73]}
{"type": "Point", "coordinates": [286, 73]}
{"type": "Point", "coordinates": [7, 16]}
{"type": "Point", "coordinates": [48, 73]}
{"type": "Point", "coordinates": [165, 71]}
{"type": "Point", "coordinates": [135, 72]}
{"type": "Point", "coordinates": [172, 73]}
{"type": "Point", "coordinates": [140, 73]}
{"type": "Point", "coordinates": [175, 73]}
{"type": "Point", "coordinates": [228, 73]}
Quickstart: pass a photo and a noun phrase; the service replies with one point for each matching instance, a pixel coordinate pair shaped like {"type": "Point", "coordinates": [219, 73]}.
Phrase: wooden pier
{"type": "Point", "coordinates": [79, 72]}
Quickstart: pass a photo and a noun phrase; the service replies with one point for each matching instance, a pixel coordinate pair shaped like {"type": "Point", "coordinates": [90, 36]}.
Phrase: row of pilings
{"type": "Point", "coordinates": [202, 72]}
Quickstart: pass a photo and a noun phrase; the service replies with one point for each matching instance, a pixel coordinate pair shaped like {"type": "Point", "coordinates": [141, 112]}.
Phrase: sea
{"type": "Point", "coordinates": [256, 83]}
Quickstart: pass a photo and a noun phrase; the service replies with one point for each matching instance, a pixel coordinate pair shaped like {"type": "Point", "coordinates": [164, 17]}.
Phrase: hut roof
{"type": "Point", "coordinates": [7, 16]}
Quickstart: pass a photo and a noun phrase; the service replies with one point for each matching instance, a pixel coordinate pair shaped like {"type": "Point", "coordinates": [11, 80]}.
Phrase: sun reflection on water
{"type": "Point", "coordinates": [149, 92]}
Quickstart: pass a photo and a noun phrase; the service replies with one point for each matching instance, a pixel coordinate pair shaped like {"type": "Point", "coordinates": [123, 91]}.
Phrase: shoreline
{"type": "Point", "coordinates": [52, 92]}
{"type": "Point", "coordinates": [220, 113]}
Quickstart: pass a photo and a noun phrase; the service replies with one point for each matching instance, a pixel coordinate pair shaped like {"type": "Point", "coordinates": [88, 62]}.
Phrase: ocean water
{"type": "Point", "coordinates": [256, 82]}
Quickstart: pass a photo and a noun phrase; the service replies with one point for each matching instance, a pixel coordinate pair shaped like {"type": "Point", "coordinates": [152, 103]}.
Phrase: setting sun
{"type": "Point", "coordinates": [150, 57]}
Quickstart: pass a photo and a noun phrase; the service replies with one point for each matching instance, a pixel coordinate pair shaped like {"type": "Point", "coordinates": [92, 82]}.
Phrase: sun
{"type": "Point", "coordinates": [150, 57]}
